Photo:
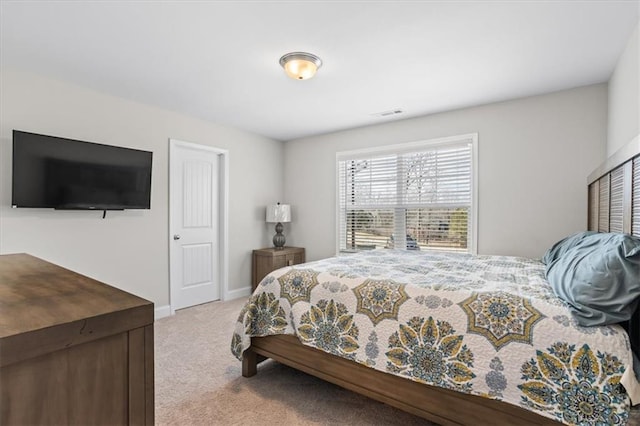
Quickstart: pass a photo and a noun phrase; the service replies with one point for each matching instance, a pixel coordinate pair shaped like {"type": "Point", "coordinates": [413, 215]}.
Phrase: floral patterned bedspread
{"type": "Point", "coordinates": [484, 325]}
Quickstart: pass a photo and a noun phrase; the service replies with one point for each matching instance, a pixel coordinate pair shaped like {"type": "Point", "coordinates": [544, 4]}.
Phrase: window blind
{"type": "Point", "coordinates": [411, 198]}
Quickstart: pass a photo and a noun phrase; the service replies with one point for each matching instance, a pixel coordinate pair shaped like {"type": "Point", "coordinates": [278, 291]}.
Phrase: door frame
{"type": "Point", "coordinates": [223, 217]}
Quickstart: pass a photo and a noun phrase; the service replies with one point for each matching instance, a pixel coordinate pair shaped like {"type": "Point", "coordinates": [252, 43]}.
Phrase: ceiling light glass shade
{"type": "Point", "coordinates": [300, 65]}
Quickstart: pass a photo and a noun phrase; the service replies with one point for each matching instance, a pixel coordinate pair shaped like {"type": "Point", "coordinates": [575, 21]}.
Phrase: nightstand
{"type": "Point", "coordinates": [269, 259]}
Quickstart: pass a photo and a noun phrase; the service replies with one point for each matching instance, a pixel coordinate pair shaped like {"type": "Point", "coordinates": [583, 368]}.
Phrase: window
{"type": "Point", "coordinates": [417, 196]}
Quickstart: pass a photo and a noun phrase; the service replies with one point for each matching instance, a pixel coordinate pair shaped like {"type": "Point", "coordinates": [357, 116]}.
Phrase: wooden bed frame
{"type": "Point", "coordinates": [441, 405]}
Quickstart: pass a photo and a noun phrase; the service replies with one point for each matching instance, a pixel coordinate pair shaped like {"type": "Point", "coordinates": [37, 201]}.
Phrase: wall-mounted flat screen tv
{"type": "Point", "coordinates": [59, 173]}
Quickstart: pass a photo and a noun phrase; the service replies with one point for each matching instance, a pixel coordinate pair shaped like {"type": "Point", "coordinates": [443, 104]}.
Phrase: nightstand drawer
{"type": "Point", "coordinates": [269, 259]}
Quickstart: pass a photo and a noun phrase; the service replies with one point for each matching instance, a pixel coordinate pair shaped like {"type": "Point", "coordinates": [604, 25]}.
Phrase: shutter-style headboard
{"type": "Point", "coordinates": [614, 192]}
{"type": "Point", "coordinates": [614, 206]}
{"type": "Point", "coordinates": [635, 215]}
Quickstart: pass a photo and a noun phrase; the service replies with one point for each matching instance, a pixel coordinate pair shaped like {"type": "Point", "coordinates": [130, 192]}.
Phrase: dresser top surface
{"type": "Point", "coordinates": [36, 294]}
{"type": "Point", "coordinates": [273, 251]}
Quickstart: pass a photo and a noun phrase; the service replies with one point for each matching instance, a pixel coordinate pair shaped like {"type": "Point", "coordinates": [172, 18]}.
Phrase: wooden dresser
{"type": "Point", "coordinates": [72, 350]}
{"type": "Point", "coordinates": [269, 259]}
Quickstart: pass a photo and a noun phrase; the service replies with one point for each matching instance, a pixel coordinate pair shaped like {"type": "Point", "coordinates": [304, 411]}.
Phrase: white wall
{"type": "Point", "coordinates": [129, 249]}
{"type": "Point", "coordinates": [624, 96]}
{"type": "Point", "coordinates": [534, 157]}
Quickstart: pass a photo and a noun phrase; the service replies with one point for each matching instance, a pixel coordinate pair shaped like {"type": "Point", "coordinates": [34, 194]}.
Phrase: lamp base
{"type": "Point", "coordinates": [278, 239]}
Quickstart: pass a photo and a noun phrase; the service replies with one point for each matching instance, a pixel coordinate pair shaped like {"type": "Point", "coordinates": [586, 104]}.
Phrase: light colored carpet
{"type": "Point", "coordinates": [199, 382]}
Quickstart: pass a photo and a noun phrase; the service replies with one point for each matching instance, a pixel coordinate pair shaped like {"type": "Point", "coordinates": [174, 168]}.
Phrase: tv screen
{"type": "Point", "coordinates": [59, 173]}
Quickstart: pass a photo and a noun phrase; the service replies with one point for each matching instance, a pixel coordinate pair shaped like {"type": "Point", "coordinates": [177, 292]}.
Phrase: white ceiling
{"type": "Point", "coordinates": [219, 60]}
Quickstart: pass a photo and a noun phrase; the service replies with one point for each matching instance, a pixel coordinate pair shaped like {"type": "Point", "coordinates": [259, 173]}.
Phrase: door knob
{"type": "Point", "coordinates": [176, 237]}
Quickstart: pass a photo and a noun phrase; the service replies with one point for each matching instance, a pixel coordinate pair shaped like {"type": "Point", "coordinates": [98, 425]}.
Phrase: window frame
{"type": "Point", "coordinates": [471, 138]}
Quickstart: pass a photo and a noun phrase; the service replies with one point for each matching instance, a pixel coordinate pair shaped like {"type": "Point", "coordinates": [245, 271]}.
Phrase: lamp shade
{"type": "Point", "coordinates": [279, 213]}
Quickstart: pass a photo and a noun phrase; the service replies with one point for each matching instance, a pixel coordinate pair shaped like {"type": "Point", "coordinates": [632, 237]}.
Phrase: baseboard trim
{"type": "Point", "coordinates": [162, 311]}
{"type": "Point", "coordinates": [165, 311]}
{"type": "Point", "coordinates": [236, 294]}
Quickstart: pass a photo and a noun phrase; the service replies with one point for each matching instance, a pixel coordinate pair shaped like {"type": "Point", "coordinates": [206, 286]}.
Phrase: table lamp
{"type": "Point", "coordinates": [278, 213]}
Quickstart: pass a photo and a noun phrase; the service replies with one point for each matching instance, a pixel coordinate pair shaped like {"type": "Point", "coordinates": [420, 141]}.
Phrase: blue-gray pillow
{"type": "Point", "coordinates": [559, 248]}
{"type": "Point", "coordinates": [598, 276]}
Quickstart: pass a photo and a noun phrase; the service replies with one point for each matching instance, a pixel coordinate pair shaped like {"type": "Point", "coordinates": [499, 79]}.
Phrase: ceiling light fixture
{"type": "Point", "coordinates": [300, 65]}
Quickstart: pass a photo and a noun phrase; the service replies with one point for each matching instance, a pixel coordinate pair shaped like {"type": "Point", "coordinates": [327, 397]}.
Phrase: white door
{"type": "Point", "coordinates": [194, 197]}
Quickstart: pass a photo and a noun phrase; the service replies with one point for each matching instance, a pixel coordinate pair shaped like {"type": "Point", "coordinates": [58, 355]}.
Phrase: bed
{"type": "Point", "coordinates": [455, 338]}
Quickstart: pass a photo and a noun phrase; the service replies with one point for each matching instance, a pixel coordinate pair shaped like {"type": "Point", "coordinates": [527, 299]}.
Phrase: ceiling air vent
{"type": "Point", "coordinates": [388, 113]}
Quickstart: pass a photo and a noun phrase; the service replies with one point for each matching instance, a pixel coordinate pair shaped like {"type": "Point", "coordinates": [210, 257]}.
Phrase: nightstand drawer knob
{"type": "Point", "coordinates": [176, 237]}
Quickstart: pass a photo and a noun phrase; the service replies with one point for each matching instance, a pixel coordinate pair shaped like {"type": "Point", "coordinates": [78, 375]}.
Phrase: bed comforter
{"type": "Point", "coordinates": [483, 325]}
